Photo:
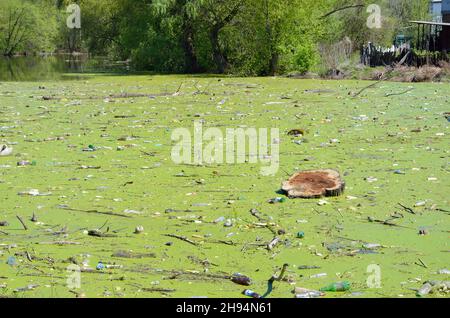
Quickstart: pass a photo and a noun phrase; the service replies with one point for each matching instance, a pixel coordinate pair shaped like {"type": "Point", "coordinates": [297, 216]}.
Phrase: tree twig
{"type": "Point", "coordinates": [182, 238]}
{"type": "Point", "coordinates": [21, 221]}
{"type": "Point", "coordinates": [341, 9]}
{"type": "Point", "coordinates": [396, 94]}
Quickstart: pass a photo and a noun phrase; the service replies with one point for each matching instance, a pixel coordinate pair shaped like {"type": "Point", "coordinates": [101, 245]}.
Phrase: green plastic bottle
{"type": "Point", "coordinates": [337, 287]}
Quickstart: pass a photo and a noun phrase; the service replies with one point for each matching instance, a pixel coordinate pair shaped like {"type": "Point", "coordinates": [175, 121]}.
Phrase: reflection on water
{"type": "Point", "coordinates": [56, 67]}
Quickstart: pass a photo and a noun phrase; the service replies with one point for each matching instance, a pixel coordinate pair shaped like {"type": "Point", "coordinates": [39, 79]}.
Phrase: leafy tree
{"type": "Point", "coordinates": [187, 13]}
{"type": "Point", "coordinates": [26, 26]}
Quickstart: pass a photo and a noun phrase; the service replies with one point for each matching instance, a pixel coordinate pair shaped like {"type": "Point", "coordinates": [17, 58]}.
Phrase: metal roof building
{"type": "Point", "coordinates": [435, 35]}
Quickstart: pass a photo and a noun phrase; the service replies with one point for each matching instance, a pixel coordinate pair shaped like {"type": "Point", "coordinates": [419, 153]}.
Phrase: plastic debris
{"type": "Point", "coordinates": [241, 279]}
{"type": "Point", "coordinates": [276, 200]}
{"type": "Point", "coordinates": [24, 163]}
{"type": "Point", "coordinates": [34, 193]}
{"type": "Point", "coordinates": [5, 150]}
{"type": "Point", "coordinates": [11, 261]}
{"type": "Point", "coordinates": [139, 229]}
{"type": "Point", "coordinates": [26, 288]}
{"type": "Point", "coordinates": [301, 292]}
{"type": "Point", "coordinates": [371, 246]}
{"type": "Point", "coordinates": [424, 290]}
{"type": "Point", "coordinates": [337, 287]}
{"type": "Point", "coordinates": [251, 293]}
{"type": "Point", "coordinates": [219, 219]}
{"type": "Point", "coordinates": [273, 243]}
{"type": "Point", "coordinates": [100, 266]}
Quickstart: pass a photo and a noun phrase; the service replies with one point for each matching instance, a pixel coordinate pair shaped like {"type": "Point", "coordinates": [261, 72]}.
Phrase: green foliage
{"type": "Point", "coordinates": [26, 26]}
{"type": "Point", "coordinates": [246, 37]}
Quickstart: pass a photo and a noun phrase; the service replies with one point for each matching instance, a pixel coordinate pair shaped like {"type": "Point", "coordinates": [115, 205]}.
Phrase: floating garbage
{"type": "Point", "coordinates": [5, 151]}
{"type": "Point", "coordinates": [100, 266]}
{"type": "Point", "coordinates": [308, 267]}
{"type": "Point", "coordinates": [26, 288]}
{"type": "Point", "coordinates": [11, 261]}
{"type": "Point", "coordinates": [34, 193]}
{"type": "Point", "coordinates": [419, 204]}
{"type": "Point", "coordinates": [296, 132]}
{"type": "Point", "coordinates": [201, 204]}
{"type": "Point", "coordinates": [219, 219]}
{"type": "Point", "coordinates": [300, 234]}
{"type": "Point", "coordinates": [424, 290]}
{"type": "Point", "coordinates": [276, 200]}
{"type": "Point", "coordinates": [361, 118]}
{"type": "Point", "coordinates": [139, 229]}
{"type": "Point", "coordinates": [251, 293]}
{"type": "Point", "coordinates": [241, 279]}
{"type": "Point", "coordinates": [435, 286]}
{"type": "Point", "coordinates": [447, 116]}
{"type": "Point", "coordinates": [24, 163]}
{"type": "Point", "coordinates": [90, 148]}
{"type": "Point", "coordinates": [273, 243]}
{"type": "Point", "coordinates": [337, 287]}
{"type": "Point", "coordinates": [129, 211]}
{"type": "Point", "coordinates": [301, 292]}
{"type": "Point", "coordinates": [371, 246]}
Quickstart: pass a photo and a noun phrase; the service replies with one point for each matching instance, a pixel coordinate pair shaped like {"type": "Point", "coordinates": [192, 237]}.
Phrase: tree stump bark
{"type": "Point", "coordinates": [314, 184]}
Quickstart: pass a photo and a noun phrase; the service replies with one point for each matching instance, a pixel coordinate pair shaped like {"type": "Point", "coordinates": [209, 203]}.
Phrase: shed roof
{"type": "Point", "coordinates": [431, 23]}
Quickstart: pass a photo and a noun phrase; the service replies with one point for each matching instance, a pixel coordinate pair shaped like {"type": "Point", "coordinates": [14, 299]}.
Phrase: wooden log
{"type": "Point", "coordinates": [314, 184]}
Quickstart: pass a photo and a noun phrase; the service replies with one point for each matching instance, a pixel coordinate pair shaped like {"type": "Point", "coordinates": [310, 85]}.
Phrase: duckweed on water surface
{"type": "Point", "coordinates": [107, 197]}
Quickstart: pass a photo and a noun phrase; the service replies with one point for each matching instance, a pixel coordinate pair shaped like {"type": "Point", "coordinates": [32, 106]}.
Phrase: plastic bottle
{"type": "Point", "coordinates": [337, 287]}
{"type": "Point", "coordinates": [251, 293]}
{"type": "Point", "coordinates": [424, 290]}
{"type": "Point", "coordinates": [307, 293]}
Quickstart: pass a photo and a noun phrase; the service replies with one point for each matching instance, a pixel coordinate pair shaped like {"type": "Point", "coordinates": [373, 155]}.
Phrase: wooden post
{"type": "Point", "coordinates": [418, 37]}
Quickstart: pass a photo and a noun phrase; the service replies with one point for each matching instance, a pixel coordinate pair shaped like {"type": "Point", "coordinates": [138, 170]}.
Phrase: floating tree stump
{"type": "Point", "coordinates": [314, 184]}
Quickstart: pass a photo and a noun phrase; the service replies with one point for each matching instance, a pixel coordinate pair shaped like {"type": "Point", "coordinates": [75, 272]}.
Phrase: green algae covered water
{"type": "Point", "coordinates": [101, 148]}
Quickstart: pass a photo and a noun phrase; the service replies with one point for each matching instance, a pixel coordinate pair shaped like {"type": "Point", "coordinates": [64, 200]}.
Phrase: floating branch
{"type": "Point", "coordinates": [182, 238]}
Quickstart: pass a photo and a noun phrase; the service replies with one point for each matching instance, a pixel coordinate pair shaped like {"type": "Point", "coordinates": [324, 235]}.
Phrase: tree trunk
{"type": "Point", "coordinates": [191, 61]}
{"type": "Point", "coordinates": [219, 58]}
{"type": "Point", "coordinates": [274, 56]}
{"type": "Point", "coordinates": [314, 184]}
{"type": "Point", "coordinates": [274, 63]}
